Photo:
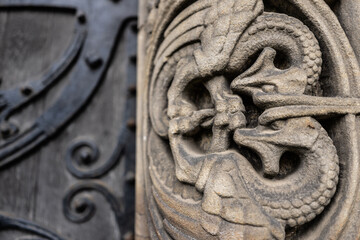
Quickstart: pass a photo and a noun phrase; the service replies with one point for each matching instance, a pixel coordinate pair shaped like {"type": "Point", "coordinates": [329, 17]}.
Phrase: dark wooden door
{"type": "Point", "coordinates": [67, 119]}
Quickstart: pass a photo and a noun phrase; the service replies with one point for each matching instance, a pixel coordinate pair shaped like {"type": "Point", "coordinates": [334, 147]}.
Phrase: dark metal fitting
{"type": "Point", "coordinates": [86, 157]}
{"type": "Point", "coordinates": [130, 177]}
{"type": "Point", "coordinates": [133, 59]}
{"type": "Point", "coordinates": [81, 17]}
{"type": "Point", "coordinates": [80, 206]}
{"type": "Point", "coordinates": [26, 90]}
{"type": "Point", "coordinates": [132, 89]}
{"type": "Point", "coordinates": [94, 61]}
{"type": "Point", "coordinates": [134, 28]}
{"type": "Point", "coordinates": [7, 129]}
{"type": "Point", "coordinates": [131, 123]}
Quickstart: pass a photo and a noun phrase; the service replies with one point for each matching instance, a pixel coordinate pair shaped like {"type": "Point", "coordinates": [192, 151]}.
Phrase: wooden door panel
{"type": "Point", "coordinates": [75, 180]}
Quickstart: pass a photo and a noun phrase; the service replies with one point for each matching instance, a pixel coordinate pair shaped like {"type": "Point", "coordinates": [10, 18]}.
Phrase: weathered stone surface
{"type": "Point", "coordinates": [248, 113]}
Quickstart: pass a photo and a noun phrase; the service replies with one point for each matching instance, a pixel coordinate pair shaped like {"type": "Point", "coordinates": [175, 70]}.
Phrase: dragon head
{"type": "Point", "coordinates": [264, 77]}
{"type": "Point", "coordinates": [271, 142]}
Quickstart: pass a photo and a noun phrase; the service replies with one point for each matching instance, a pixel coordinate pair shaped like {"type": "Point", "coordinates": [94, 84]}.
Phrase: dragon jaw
{"type": "Point", "coordinates": [264, 77]}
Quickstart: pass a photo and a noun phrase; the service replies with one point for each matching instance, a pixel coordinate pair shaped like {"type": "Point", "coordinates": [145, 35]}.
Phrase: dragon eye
{"type": "Point", "coordinates": [269, 88]}
{"type": "Point", "coordinates": [277, 125]}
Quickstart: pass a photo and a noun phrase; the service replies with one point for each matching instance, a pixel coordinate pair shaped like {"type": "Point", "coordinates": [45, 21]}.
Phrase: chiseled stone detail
{"type": "Point", "coordinates": [236, 146]}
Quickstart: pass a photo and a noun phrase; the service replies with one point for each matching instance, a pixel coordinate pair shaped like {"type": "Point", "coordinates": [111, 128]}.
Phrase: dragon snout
{"type": "Point", "coordinates": [269, 153]}
{"type": "Point", "coordinates": [271, 142]}
{"type": "Point", "coordinates": [264, 77]}
{"type": "Point", "coordinates": [251, 81]}
{"type": "Point", "coordinates": [251, 86]}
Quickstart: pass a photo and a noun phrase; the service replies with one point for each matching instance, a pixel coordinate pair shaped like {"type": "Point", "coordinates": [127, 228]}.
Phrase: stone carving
{"type": "Point", "coordinates": [237, 99]}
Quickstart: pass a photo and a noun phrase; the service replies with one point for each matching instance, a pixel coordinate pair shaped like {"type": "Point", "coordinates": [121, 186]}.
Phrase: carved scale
{"type": "Point", "coordinates": [203, 179]}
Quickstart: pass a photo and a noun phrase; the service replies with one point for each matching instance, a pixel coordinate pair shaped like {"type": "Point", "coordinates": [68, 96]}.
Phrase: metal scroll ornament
{"type": "Point", "coordinates": [10, 223]}
{"type": "Point", "coordinates": [99, 25]}
{"type": "Point", "coordinates": [238, 99]}
{"type": "Point", "coordinates": [85, 61]}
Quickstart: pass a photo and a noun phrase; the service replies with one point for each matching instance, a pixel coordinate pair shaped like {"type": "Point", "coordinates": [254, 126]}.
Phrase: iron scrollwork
{"type": "Point", "coordinates": [220, 171]}
{"type": "Point", "coordinates": [82, 156]}
{"type": "Point", "coordinates": [10, 223]}
{"type": "Point", "coordinates": [85, 62]}
{"type": "Point", "coordinates": [84, 209]}
{"type": "Point", "coordinates": [87, 59]}
{"type": "Point", "coordinates": [86, 152]}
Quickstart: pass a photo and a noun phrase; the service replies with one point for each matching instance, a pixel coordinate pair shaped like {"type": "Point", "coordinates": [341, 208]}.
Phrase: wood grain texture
{"type": "Point", "coordinates": [34, 187]}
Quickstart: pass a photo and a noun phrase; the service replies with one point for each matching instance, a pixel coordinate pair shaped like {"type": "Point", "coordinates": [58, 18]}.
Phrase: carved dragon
{"type": "Point", "coordinates": [300, 198]}
{"type": "Point", "coordinates": [208, 51]}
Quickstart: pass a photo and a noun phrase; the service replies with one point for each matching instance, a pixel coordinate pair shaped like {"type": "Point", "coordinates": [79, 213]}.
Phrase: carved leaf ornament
{"type": "Point", "coordinates": [238, 97]}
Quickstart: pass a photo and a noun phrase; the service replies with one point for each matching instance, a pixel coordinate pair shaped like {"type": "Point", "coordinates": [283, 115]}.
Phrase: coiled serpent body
{"type": "Point", "coordinates": [301, 196]}
{"type": "Point", "coordinates": [318, 174]}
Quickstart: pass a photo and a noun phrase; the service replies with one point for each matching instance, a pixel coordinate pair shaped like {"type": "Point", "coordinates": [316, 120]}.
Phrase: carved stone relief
{"type": "Point", "coordinates": [249, 121]}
